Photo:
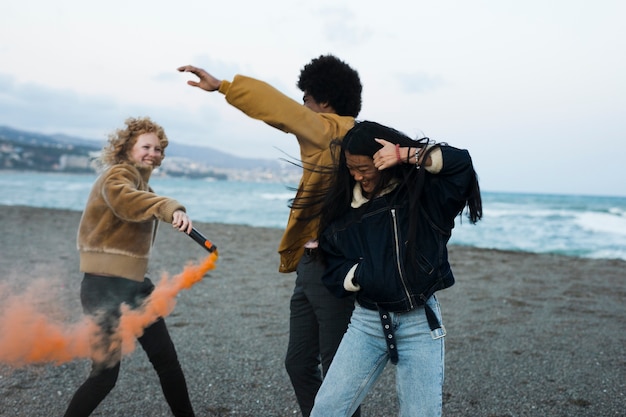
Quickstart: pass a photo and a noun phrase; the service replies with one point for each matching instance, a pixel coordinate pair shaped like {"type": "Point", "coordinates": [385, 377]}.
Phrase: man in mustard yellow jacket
{"type": "Point", "coordinates": [332, 101]}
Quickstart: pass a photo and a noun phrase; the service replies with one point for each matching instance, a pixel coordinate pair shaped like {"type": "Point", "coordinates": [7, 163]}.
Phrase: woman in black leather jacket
{"type": "Point", "coordinates": [386, 220]}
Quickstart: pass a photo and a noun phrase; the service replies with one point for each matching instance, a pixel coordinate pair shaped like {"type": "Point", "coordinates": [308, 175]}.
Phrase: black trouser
{"type": "Point", "coordinates": [317, 323]}
{"type": "Point", "coordinates": [101, 298]}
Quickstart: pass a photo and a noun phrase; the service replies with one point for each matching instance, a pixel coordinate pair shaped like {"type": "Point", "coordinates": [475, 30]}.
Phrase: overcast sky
{"type": "Point", "coordinates": [536, 90]}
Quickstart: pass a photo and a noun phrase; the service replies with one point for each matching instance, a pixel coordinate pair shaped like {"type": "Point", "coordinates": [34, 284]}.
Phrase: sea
{"type": "Point", "coordinates": [571, 225]}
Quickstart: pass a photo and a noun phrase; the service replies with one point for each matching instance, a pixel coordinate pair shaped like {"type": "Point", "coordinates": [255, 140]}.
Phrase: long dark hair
{"type": "Point", "coordinates": [333, 200]}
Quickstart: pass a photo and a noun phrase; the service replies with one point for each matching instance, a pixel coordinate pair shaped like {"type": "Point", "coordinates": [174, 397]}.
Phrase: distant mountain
{"type": "Point", "coordinates": [200, 154]}
{"type": "Point", "coordinates": [219, 159]}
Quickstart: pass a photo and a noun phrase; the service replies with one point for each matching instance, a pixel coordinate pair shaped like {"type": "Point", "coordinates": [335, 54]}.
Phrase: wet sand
{"type": "Point", "coordinates": [528, 335]}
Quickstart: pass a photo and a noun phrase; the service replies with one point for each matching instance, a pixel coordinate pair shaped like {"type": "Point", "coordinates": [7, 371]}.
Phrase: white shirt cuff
{"type": "Point", "coordinates": [347, 282]}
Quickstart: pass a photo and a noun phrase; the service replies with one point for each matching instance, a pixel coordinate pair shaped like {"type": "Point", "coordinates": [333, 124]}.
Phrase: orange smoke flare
{"type": "Point", "coordinates": [28, 335]}
{"type": "Point", "coordinates": [160, 303]}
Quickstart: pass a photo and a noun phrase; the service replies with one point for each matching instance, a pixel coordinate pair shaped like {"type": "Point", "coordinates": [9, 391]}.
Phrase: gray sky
{"type": "Point", "coordinates": [535, 90]}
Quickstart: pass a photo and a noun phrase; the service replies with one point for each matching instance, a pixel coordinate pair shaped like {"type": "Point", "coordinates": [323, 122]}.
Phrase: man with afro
{"type": "Point", "coordinates": [332, 100]}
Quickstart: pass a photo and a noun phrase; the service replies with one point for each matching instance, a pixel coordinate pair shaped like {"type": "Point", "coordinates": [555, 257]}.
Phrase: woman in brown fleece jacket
{"type": "Point", "coordinates": [115, 236]}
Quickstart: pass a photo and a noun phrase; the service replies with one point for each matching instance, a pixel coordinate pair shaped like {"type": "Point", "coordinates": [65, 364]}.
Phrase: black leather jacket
{"type": "Point", "coordinates": [374, 236]}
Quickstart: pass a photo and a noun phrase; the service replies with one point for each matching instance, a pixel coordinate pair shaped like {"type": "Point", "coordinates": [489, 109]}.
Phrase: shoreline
{"type": "Point", "coordinates": [280, 229]}
{"type": "Point", "coordinates": [528, 334]}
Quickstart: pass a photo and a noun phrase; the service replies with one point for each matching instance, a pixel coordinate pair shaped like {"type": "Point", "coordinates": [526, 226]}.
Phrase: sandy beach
{"type": "Point", "coordinates": [528, 335]}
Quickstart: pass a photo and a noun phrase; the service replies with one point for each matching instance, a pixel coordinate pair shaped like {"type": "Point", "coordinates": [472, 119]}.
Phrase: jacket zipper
{"type": "Point", "coordinates": [398, 262]}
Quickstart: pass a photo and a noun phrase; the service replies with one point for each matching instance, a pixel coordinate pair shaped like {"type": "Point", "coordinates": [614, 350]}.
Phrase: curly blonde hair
{"type": "Point", "coordinates": [121, 141]}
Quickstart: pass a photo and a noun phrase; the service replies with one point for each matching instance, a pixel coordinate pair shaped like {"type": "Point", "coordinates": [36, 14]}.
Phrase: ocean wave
{"type": "Point", "coordinates": [592, 227]}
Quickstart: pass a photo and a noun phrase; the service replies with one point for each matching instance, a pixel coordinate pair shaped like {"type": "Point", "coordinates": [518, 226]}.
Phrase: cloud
{"type": "Point", "coordinates": [49, 110]}
{"type": "Point", "coordinates": [35, 107]}
{"type": "Point", "coordinates": [341, 26]}
{"type": "Point", "coordinates": [419, 82]}
{"type": "Point", "coordinates": [508, 83]}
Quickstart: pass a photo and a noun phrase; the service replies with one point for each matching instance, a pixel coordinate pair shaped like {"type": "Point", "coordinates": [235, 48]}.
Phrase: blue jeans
{"type": "Point", "coordinates": [362, 356]}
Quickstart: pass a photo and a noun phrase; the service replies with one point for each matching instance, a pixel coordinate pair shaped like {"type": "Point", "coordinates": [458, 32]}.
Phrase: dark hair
{"type": "Point", "coordinates": [329, 80]}
{"type": "Point", "coordinates": [360, 140]}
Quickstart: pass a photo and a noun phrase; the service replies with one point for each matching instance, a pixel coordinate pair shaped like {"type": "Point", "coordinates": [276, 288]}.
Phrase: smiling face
{"type": "Point", "coordinates": [363, 171]}
{"type": "Point", "coordinates": [147, 151]}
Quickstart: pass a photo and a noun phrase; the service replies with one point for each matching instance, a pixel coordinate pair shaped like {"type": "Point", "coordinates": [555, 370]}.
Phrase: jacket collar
{"type": "Point", "coordinates": [145, 172]}
{"type": "Point", "coordinates": [358, 199]}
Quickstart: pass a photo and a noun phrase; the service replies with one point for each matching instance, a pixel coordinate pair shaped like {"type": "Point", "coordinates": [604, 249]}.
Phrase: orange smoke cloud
{"type": "Point", "coordinates": [160, 303]}
{"type": "Point", "coordinates": [29, 335]}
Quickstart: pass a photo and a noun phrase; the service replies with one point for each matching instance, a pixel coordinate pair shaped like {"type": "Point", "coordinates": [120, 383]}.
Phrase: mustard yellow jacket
{"type": "Point", "coordinates": [314, 132]}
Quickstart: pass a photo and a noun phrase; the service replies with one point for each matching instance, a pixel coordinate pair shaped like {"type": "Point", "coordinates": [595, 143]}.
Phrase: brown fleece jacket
{"type": "Point", "coordinates": [119, 223]}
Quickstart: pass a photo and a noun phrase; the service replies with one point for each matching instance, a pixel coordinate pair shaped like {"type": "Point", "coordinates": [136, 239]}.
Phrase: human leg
{"type": "Point", "coordinates": [158, 345]}
{"type": "Point", "coordinates": [332, 315]}
{"type": "Point", "coordinates": [96, 387]}
{"type": "Point", "coordinates": [302, 359]}
{"type": "Point", "coordinates": [99, 300]}
{"type": "Point", "coordinates": [357, 365]}
{"type": "Point", "coordinates": [420, 369]}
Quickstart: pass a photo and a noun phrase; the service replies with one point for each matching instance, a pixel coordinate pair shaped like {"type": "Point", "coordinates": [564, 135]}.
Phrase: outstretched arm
{"type": "Point", "coordinates": [261, 101]}
{"type": "Point", "coordinates": [207, 81]}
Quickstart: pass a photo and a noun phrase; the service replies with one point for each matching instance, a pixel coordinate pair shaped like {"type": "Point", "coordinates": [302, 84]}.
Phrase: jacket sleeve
{"type": "Point", "coordinates": [121, 191]}
{"type": "Point", "coordinates": [450, 187]}
{"type": "Point", "coordinates": [263, 102]}
{"type": "Point", "coordinates": [337, 267]}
